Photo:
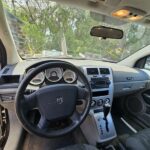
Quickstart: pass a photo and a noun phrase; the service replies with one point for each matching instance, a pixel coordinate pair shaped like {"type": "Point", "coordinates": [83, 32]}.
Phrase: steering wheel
{"type": "Point", "coordinates": [55, 102]}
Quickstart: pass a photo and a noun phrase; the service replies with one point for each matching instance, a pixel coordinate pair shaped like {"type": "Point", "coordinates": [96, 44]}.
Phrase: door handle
{"type": "Point", "coordinates": [146, 98]}
{"type": "Point", "coordinates": [146, 95]}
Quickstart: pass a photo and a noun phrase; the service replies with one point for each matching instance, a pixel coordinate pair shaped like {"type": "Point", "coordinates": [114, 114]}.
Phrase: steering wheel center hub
{"type": "Point", "coordinates": [57, 101]}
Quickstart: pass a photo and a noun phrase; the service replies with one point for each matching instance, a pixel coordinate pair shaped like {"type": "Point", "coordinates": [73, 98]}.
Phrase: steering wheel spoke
{"type": "Point", "coordinates": [75, 118]}
{"type": "Point", "coordinates": [43, 123]}
{"type": "Point", "coordinates": [30, 101]}
{"type": "Point", "coordinates": [83, 93]}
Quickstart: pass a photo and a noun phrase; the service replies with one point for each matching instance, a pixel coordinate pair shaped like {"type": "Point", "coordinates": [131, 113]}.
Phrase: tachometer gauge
{"type": "Point", "coordinates": [69, 76]}
{"type": "Point", "coordinates": [54, 74]}
{"type": "Point", "coordinates": [38, 79]}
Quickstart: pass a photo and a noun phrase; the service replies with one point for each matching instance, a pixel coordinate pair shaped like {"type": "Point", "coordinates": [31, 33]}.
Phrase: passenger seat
{"type": "Point", "coordinates": [139, 141]}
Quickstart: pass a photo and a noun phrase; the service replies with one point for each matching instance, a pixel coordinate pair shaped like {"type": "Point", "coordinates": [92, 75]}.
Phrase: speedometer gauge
{"type": "Point", "coordinates": [38, 79]}
{"type": "Point", "coordinates": [69, 76]}
{"type": "Point", "coordinates": [54, 74]}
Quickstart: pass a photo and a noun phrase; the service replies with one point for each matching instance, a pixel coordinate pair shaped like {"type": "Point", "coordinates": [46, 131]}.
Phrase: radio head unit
{"type": "Point", "coordinates": [100, 82]}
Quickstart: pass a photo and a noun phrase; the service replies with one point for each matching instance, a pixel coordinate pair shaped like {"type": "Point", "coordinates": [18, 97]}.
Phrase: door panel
{"type": "Point", "coordinates": [146, 97]}
{"type": "Point", "coordinates": [138, 106]}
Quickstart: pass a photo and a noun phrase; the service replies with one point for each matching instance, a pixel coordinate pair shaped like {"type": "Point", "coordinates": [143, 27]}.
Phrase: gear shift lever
{"type": "Point", "coordinates": [106, 110]}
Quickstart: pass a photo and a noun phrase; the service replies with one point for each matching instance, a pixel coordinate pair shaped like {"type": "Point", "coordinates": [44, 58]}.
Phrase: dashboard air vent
{"type": "Point", "coordinates": [104, 71]}
{"type": "Point", "coordinates": [92, 71]}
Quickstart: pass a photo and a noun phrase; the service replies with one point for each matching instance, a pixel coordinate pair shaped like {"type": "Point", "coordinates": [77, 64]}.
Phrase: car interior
{"type": "Point", "coordinates": [74, 75]}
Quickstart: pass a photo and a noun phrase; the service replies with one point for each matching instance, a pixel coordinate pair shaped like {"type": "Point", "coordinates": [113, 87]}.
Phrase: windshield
{"type": "Point", "coordinates": [45, 29]}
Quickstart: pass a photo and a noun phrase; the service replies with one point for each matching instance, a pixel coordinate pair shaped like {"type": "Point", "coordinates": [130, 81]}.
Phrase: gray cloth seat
{"type": "Point", "coordinates": [79, 147]}
{"type": "Point", "coordinates": [139, 141]}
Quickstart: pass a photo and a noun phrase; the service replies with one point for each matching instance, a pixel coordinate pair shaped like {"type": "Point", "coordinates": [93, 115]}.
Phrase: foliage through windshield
{"type": "Point", "coordinates": [45, 29]}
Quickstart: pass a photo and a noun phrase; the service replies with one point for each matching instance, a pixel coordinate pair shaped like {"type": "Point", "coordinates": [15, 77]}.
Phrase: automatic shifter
{"type": "Point", "coordinates": [106, 110]}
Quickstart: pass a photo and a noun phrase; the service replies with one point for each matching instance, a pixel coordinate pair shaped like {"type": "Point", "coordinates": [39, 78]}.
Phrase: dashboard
{"type": "Point", "coordinates": [123, 80]}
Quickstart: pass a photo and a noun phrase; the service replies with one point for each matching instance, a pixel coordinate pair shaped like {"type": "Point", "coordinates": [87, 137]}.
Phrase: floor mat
{"type": "Point", "coordinates": [36, 143]}
{"type": "Point", "coordinates": [33, 142]}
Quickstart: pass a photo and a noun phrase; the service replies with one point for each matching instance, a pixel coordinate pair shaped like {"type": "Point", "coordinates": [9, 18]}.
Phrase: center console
{"type": "Point", "coordinates": [99, 126]}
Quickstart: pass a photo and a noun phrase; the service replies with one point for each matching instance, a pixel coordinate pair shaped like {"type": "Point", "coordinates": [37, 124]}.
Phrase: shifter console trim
{"type": "Point", "coordinates": [104, 134]}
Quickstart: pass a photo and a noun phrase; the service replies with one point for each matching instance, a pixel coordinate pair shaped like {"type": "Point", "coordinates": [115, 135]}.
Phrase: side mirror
{"type": "Point", "coordinates": [106, 32]}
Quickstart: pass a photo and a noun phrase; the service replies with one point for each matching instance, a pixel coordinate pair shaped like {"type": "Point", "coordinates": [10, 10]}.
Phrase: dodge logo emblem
{"type": "Point", "coordinates": [59, 100]}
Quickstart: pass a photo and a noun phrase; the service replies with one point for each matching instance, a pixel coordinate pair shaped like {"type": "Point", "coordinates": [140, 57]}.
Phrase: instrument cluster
{"type": "Point", "coordinates": [53, 75]}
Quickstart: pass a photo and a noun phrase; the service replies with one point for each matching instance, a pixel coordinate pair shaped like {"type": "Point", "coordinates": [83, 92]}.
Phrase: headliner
{"type": "Point", "coordinates": [106, 7]}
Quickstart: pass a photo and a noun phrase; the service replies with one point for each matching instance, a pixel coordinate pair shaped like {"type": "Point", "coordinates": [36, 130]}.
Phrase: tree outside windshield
{"type": "Point", "coordinates": [45, 29]}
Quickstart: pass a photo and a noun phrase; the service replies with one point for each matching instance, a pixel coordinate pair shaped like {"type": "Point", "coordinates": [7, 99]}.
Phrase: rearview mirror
{"type": "Point", "coordinates": [106, 32]}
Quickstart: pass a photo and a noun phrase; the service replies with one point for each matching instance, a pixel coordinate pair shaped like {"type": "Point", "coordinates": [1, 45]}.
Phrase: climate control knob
{"type": "Point", "coordinates": [100, 102]}
{"type": "Point", "coordinates": [107, 101]}
{"type": "Point", "coordinates": [93, 103]}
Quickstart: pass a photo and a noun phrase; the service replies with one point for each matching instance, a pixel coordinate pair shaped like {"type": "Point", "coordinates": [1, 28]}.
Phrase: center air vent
{"type": "Point", "coordinates": [92, 71]}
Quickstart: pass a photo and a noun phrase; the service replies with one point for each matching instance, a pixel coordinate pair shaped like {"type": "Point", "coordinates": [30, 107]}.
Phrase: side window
{"type": "Point", "coordinates": [3, 58]}
{"type": "Point", "coordinates": [0, 60]}
{"type": "Point", "coordinates": [0, 65]}
{"type": "Point", "coordinates": [147, 63]}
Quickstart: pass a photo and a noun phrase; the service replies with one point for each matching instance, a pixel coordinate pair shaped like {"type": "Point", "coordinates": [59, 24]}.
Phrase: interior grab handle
{"type": "Point", "coordinates": [126, 88]}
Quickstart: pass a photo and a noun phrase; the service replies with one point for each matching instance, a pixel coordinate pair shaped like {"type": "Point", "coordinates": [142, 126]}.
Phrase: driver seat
{"type": "Point", "coordinates": [79, 147]}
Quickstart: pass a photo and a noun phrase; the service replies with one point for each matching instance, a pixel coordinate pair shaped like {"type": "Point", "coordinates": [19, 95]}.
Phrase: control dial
{"type": "Point", "coordinates": [100, 102]}
{"type": "Point", "coordinates": [93, 103]}
{"type": "Point", "coordinates": [107, 101]}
